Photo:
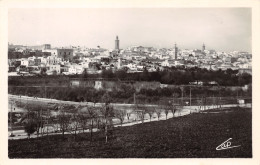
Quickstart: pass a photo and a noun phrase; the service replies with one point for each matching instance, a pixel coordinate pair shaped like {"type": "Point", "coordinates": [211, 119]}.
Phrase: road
{"type": "Point", "coordinates": [20, 134]}
{"type": "Point", "coordinates": [26, 99]}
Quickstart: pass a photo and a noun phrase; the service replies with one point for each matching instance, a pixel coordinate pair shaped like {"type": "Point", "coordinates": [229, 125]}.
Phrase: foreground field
{"type": "Point", "coordinates": [195, 135]}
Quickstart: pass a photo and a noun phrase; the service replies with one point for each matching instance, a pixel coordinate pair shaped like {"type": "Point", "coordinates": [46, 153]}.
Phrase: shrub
{"type": "Point", "coordinates": [30, 127]}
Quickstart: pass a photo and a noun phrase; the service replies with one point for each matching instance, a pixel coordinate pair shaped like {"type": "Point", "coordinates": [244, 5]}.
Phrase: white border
{"type": "Point", "coordinates": [4, 5]}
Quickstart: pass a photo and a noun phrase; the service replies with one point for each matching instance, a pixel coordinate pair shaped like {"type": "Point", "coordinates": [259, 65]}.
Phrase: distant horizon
{"type": "Point", "coordinates": [221, 29]}
{"type": "Point", "coordinates": [182, 48]}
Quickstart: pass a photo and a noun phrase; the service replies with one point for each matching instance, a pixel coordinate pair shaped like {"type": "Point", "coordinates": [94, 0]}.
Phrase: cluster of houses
{"type": "Point", "coordinates": [31, 60]}
{"type": "Point", "coordinates": [211, 60]}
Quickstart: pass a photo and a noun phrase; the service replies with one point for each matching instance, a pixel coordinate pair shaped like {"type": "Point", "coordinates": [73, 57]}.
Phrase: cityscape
{"type": "Point", "coordinates": [177, 85]}
{"type": "Point", "coordinates": [30, 60]}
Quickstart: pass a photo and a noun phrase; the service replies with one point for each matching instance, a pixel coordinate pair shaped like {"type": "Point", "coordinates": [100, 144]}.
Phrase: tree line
{"type": "Point", "coordinates": [173, 75]}
{"type": "Point", "coordinates": [183, 76]}
{"type": "Point", "coordinates": [124, 93]}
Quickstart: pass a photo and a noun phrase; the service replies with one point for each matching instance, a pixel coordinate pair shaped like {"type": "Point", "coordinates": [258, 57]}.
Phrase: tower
{"type": "Point", "coordinates": [176, 51]}
{"type": "Point", "coordinates": [117, 43]}
{"type": "Point", "coordinates": [203, 47]}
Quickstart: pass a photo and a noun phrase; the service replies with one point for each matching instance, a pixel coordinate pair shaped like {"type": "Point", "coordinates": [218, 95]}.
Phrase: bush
{"type": "Point", "coordinates": [30, 127]}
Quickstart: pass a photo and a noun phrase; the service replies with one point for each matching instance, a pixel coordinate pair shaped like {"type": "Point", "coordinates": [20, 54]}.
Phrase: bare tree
{"type": "Point", "coordinates": [169, 108]}
{"type": "Point", "coordinates": [145, 109]}
{"type": "Point", "coordinates": [107, 112]}
{"type": "Point", "coordinates": [166, 106]}
{"type": "Point", "coordinates": [128, 114]}
{"type": "Point", "coordinates": [92, 114]}
{"type": "Point", "coordinates": [64, 122]}
{"type": "Point", "coordinates": [141, 114]}
{"type": "Point", "coordinates": [150, 113]}
{"type": "Point", "coordinates": [158, 111]}
{"type": "Point", "coordinates": [120, 114]}
{"type": "Point", "coordinates": [140, 111]}
{"type": "Point", "coordinates": [98, 121]}
{"type": "Point", "coordinates": [174, 104]}
{"type": "Point", "coordinates": [179, 109]}
{"type": "Point", "coordinates": [83, 121]}
{"type": "Point", "coordinates": [39, 121]}
{"type": "Point", "coordinates": [75, 122]}
{"type": "Point", "coordinates": [166, 111]}
{"type": "Point", "coordinates": [173, 110]}
{"type": "Point", "coordinates": [46, 122]}
{"type": "Point", "coordinates": [53, 120]}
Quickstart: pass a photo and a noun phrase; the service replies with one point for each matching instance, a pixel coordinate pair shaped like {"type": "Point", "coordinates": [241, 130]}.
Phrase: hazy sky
{"type": "Point", "coordinates": [223, 29]}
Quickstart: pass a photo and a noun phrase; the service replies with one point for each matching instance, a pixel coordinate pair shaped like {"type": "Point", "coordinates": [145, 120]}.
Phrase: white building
{"type": "Point", "coordinates": [43, 60]}
{"type": "Point", "coordinates": [24, 62]}
{"type": "Point", "coordinates": [53, 68]}
{"type": "Point", "coordinates": [79, 69]}
{"type": "Point", "coordinates": [165, 63]}
{"type": "Point", "coordinates": [131, 66]}
{"type": "Point", "coordinates": [72, 70]}
{"type": "Point", "coordinates": [75, 69]}
{"type": "Point", "coordinates": [53, 60]}
{"type": "Point", "coordinates": [244, 66]}
{"type": "Point", "coordinates": [84, 64]}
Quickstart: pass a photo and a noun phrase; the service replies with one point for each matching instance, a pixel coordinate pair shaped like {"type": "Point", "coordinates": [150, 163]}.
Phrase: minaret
{"type": "Point", "coordinates": [176, 51]}
{"type": "Point", "coordinates": [203, 47]}
{"type": "Point", "coordinates": [117, 43]}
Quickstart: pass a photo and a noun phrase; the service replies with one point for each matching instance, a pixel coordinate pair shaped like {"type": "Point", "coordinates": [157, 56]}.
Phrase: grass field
{"type": "Point", "coordinates": [192, 136]}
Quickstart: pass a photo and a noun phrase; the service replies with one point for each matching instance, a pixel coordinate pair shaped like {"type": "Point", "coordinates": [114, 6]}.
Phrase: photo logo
{"type": "Point", "coordinates": [226, 145]}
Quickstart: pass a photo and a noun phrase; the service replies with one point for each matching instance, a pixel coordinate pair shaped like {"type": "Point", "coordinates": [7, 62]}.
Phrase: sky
{"type": "Point", "coordinates": [222, 29]}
